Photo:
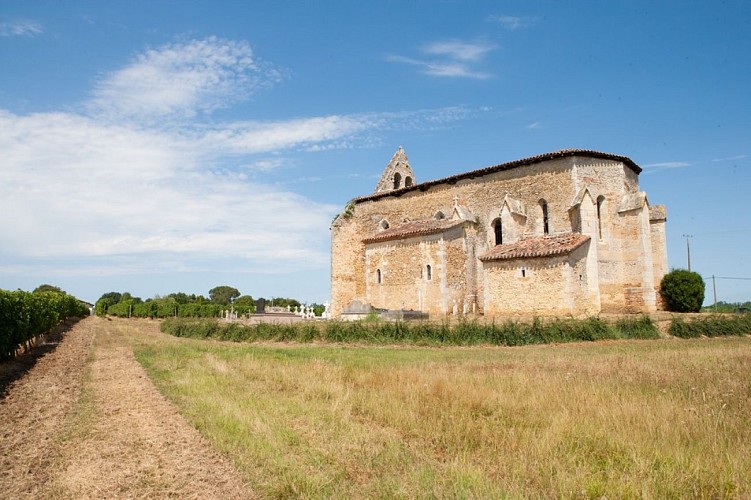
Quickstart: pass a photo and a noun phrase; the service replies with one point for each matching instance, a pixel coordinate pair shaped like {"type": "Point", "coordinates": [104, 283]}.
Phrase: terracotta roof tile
{"type": "Point", "coordinates": [540, 246]}
{"type": "Point", "coordinates": [505, 166]}
{"type": "Point", "coordinates": [414, 228]}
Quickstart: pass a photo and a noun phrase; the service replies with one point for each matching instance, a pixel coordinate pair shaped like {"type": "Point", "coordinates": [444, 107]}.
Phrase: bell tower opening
{"type": "Point", "coordinates": [397, 174]}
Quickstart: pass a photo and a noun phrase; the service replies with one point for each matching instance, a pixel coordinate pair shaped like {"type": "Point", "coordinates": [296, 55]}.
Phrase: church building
{"type": "Point", "coordinates": [567, 233]}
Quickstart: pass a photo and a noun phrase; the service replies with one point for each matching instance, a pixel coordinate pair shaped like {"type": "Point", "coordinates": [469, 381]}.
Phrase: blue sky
{"type": "Point", "coordinates": [164, 146]}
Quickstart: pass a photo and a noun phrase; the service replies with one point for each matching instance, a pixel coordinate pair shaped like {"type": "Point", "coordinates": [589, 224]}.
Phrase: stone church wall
{"type": "Point", "coordinates": [614, 269]}
{"type": "Point", "coordinates": [548, 286]}
{"type": "Point", "coordinates": [407, 283]}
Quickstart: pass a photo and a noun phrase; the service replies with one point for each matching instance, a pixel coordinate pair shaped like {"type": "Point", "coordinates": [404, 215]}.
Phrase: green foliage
{"type": "Point", "coordinates": [727, 307]}
{"type": "Point", "coordinates": [683, 291]}
{"type": "Point", "coordinates": [711, 326]}
{"type": "Point", "coordinates": [164, 307]}
{"type": "Point", "coordinates": [349, 211]}
{"type": "Point", "coordinates": [245, 301]}
{"type": "Point", "coordinates": [637, 328]}
{"type": "Point", "coordinates": [105, 302]}
{"type": "Point", "coordinates": [223, 295]}
{"type": "Point", "coordinates": [282, 302]}
{"type": "Point", "coordinates": [25, 315]}
{"type": "Point", "coordinates": [423, 333]}
{"type": "Point", "coordinates": [182, 305]}
{"type": "Point", "coordinates": [48, 288]}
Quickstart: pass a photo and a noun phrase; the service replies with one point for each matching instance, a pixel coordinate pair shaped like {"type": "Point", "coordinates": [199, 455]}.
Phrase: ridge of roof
{"type": "Point", "coordinates": [414, 228]}
{"type": "Point", "coordinates": [538, 246]}
{"type": "Point", "coordinates": [531, 160]}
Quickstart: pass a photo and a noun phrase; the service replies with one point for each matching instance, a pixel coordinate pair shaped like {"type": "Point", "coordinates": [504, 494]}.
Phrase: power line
{"type": "Point", "coordinates": [725, 278]}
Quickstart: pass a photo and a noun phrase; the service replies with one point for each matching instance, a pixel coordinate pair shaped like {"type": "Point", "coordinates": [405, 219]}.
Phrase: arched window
{"type": "Point", "coordinates": [545, 221]}
{"type": "Point", "coordinates": [600, 203]}
{"type": "Point", "coordinates": [429, 272]}
{"type": "Point", "coordinates": [440, 215]}
{"type": "Point", "coordinates": [397, 180]}
{"type": "Point", "coordinates": [378, 276]}
{"type": "Point", "coordinates": [498, 230]}
{"type": "Point", "coordinates": [407, 181]}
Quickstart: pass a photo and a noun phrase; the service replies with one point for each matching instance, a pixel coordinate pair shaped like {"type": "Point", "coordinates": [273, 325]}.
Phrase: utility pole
{"type": "Point", "coordinates": [688, 249]}
{"type": "Point", "coordinates": [714, 289]}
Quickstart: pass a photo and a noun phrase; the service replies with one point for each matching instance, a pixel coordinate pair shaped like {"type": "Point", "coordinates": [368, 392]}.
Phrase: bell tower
{"type": "Point", "coordinates": [397, 174]}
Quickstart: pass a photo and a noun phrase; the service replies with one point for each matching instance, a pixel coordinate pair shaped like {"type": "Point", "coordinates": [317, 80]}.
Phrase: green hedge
{"type": "Point", "coordinates": [463, 333]}
{"type": "Point", "coordinates": [25, 315]}
{"type": "Point", "coordinates": [168, 309]}
{"type": "Point", "coordinates": [711, 326]}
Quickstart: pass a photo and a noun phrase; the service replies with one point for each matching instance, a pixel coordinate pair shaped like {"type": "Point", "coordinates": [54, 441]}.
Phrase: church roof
{"type": "Point", "coordinates": [424, 186]}
{"type": "Point", "coordinates": [414, 228]}
{"type": "Point", "coordinates": [540, 246]}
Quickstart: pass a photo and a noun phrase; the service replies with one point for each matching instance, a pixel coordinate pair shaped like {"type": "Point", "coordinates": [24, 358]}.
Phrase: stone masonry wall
{"type": "Point", "coordinates": [514, 197]}
{"type": "Point", "coordinates": [548, 286]}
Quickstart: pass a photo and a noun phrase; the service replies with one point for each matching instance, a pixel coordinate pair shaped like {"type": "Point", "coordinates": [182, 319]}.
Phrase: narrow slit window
{"type": "Point", "coordinates": [545, 220]}
{"type": "Point", "coordinates": [378, 276]}
{"type": "Point", "coordinates": [600, 202]}
{"type": "Point", "coordinates": [498, 230]}
{"type": "Point", "coordinates": [428, 272]}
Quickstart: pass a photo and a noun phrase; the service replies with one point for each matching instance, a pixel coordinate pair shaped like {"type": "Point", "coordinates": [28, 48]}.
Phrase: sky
{"type": "Point", "coordinates": [164, 146]}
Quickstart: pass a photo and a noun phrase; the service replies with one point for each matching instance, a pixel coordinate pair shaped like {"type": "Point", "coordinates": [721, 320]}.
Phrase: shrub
{"type": "Point", "coordinates": [683, 291]}
{"type": "Point", "coordinates": [711, 326]}
{"type": "Point", "coordinates": [421, 333]}
{"type": "Point", "coordinates": [637, 328]}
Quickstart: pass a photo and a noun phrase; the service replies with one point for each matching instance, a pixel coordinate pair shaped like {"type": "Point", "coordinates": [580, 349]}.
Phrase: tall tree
{"type": "Point", "coordinates": [111, 297]}
{"type": "Point", "coordinates": [223, 295]}
{"type": "Point", "coordinates": [48, 288]}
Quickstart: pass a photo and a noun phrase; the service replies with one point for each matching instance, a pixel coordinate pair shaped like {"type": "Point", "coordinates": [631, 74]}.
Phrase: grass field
{"type": "Point", "coordinates": [651, 418]}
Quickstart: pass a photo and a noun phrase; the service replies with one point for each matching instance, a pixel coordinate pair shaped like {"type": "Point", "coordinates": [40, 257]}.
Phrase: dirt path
{"type": "Point", "coordinates": [86, 422]}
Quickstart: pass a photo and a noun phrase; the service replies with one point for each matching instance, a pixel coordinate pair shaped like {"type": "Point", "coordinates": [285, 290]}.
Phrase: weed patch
{"type": "Point", "coordinates": [711, 326]}
{"type": "Point", "coordinates": [467, 333]}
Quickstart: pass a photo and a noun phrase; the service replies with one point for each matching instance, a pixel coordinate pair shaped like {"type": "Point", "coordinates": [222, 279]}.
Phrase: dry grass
{"type": "Point", "coordinates": [661, 419]}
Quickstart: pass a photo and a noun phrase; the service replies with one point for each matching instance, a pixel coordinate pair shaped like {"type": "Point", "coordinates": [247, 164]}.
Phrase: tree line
{"type": "Point", "coordinates": [180, 304]}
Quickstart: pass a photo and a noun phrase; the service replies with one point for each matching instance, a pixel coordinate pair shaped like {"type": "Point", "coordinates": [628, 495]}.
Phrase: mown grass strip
{"type": "Point", "coordinates": [621, 420]}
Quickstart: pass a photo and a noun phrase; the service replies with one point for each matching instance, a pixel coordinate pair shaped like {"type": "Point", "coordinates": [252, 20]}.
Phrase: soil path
{"type": "Point", "coordinates": [86, 422]}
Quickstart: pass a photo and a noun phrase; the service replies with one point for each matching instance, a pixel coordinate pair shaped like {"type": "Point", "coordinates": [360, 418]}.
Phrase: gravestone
{"type": "Point", "coordinates": [261, 306]}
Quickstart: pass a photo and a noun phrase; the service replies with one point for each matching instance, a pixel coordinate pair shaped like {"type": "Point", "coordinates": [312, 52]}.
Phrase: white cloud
{"type": "Point", "coordinates": [266, 165]}
{"type": "Point", "coordinates": [181, 80]}
{"type": "Point", "coordinates": [438, 68]}
{"type": "Point", "coordinates": [512, 22]}
{"type": "Point", "coordinates": [74, 188]}
{"type": "Point", "coordinates": [256, 137]}
{"type": "Point", "coordinates": [20, 28]}
{"type": "Point", "coordinates": [534, 126]}
{"type": "Point", "coordinates": [666, 165]}
{"type": "Point", "coordinates": [730, 158]}
{"type": "Point", "coordinates": [458, 50]}
{"type": "Point", "coordinates": [122, 191]}
{"type": "Point", "coordinates": [451, 58]}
